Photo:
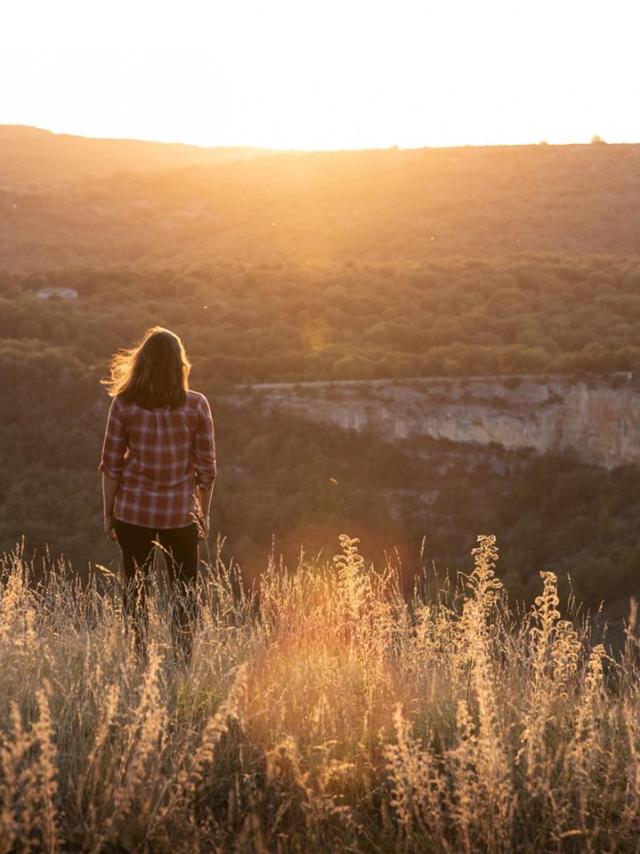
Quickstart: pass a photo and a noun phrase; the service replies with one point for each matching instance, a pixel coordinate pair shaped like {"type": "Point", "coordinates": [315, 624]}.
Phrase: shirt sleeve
{"type": "Point", "coordinates": [205, 446]}
{"type": "Point", "coordinates": [115, 442]}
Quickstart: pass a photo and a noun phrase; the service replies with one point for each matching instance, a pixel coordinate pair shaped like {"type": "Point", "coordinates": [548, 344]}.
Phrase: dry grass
{"type": "Point", "coordinates": [321, 712]}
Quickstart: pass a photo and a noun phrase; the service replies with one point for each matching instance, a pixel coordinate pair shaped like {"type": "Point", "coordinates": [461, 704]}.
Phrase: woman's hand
{"type": "Point", "coordinates": [109, 530]}
{"type": "Point", "coordinates": [109, 490]}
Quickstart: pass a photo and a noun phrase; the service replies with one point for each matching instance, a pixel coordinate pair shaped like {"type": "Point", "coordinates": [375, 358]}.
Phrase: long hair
{"type": "Point", "coordinates": [152, 374]}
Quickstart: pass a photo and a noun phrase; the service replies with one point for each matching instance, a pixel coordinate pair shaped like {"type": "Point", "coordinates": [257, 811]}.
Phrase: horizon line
{"type": "Point", "coordinates": [596, 140]}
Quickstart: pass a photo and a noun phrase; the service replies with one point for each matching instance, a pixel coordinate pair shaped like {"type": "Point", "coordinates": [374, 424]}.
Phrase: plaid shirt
{"type": "Point", "coordinates": [158, 457]}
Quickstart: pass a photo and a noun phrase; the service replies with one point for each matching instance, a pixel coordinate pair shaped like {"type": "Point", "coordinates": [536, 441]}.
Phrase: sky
{"type": "Point", "coordinates": [324, 74]}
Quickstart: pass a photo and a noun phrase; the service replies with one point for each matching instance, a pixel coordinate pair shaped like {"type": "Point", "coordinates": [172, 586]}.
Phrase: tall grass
{"type": "Point", "coordinates": [321, 711]}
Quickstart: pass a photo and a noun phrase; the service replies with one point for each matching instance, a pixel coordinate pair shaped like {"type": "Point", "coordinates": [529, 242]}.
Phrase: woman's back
{"type": "Point", "coordinates": [158, 456]}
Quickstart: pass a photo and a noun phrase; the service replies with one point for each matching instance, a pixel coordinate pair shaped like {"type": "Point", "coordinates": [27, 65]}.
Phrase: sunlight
{"type": "Point", "coordinates": [323, 76]}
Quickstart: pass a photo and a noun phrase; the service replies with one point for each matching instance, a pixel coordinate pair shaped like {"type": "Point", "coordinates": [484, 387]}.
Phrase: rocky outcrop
{"type": "Point", "coordinates": [598, 419]}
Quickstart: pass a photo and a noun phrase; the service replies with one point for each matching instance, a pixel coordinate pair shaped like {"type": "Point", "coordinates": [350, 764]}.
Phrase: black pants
{"type": "Point", "coordinates": [181, 552]}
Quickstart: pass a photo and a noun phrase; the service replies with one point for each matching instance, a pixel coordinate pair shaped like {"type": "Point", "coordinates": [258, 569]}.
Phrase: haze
{"type": "Point", "coordinates": [323, 75]}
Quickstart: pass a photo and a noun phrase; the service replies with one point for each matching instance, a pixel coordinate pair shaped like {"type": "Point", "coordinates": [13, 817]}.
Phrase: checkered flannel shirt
{"type": "Point", "coordinates": [159, 457]}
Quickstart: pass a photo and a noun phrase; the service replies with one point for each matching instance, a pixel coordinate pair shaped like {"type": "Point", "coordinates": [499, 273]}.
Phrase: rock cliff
{"type": "Point", "coordinates": [596, 418]}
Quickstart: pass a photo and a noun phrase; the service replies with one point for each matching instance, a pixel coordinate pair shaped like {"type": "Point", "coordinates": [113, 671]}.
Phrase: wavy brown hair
{"type": "Point", "coordinates": [153, 373]}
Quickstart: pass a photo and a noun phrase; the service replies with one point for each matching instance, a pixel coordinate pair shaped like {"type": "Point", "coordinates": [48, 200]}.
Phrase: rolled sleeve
{"type": "Point", "coordinates": [114, 446]}
{"type": "Point", "coordinates": [205, 447]}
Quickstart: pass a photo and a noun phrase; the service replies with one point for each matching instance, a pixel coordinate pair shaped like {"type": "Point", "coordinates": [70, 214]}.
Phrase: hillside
{"type": "Point", "coordinates": [31, 156]}
{"type": "Point", "coordinates": [355, 207]}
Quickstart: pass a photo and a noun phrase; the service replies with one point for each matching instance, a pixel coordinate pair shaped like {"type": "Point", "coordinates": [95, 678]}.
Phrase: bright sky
{"type": "Point", "coordinates": [324, 73]}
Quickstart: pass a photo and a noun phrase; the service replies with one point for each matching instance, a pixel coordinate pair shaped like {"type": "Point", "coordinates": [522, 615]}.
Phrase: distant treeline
{"type": "Point", "coordinates": [534, 314]}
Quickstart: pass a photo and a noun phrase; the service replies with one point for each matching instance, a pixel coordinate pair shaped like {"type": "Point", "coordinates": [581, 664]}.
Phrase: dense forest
{"type": "Point", "coordinates": [456, 316]}
{"type": "Point", "coordinates": [342, 265]}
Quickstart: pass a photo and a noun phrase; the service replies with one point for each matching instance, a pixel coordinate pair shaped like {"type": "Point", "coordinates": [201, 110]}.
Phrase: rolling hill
{"type": "Point", "coordinates": [152, 204]}
{"type": "Point", "coordinates": [31, 156]}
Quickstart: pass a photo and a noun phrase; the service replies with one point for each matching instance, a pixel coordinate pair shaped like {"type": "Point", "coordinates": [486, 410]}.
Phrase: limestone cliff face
{"type": "Point", "coordinates": [597, 419]}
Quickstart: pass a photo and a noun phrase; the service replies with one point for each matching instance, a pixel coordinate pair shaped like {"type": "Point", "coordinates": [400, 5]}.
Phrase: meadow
{"type": "Point", "coordinates": [322, 711]}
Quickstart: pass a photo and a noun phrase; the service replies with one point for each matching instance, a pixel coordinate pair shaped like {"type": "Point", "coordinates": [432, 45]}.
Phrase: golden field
{"type": "Point", "coordinates": [322, 711]}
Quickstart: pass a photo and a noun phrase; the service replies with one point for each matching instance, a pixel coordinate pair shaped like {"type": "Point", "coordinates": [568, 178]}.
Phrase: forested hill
{"type": "Point", "coordinates": [395, 207]}
{"type": "Point", "coordinates": [31, 156]}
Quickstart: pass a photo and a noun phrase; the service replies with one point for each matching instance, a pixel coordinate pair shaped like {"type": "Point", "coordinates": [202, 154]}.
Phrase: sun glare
{"type": "Point", "coordinates": [323, 75]}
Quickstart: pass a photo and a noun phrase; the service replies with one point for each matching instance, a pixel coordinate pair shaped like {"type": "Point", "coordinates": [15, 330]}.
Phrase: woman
{"type": "Point", "coordinates": [158, 469]}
